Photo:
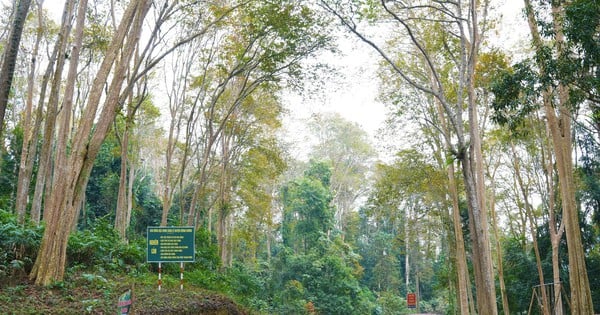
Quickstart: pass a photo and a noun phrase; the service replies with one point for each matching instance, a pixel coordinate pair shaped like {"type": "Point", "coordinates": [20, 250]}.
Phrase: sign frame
{"type": "Point", "coordinates": [170, 244]}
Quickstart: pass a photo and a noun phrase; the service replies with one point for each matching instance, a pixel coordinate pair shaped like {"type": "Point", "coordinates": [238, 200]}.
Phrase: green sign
{"type": "Point", "coordinates": [171, 244]}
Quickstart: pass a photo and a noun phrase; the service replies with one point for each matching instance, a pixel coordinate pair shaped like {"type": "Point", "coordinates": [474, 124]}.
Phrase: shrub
{"type": "Point", "coordinates": [18, 245]}
{"type": "Point", "coordinates": [101, 246]}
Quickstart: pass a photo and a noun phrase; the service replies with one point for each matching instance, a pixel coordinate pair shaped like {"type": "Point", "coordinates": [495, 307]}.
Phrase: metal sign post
{"type": "Point", "coordinates": [170, 244]}
{"type": "Point", "coordinates": [181, 276]}
{"type": "Point", "coordinates": [159, 276]}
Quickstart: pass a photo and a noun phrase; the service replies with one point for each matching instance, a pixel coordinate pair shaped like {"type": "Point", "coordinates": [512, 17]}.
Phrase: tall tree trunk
{"type": "Point", "coordinates": [461, 255]}
{"type": "Point", "coordinates": [45, 160]}
{"type": "Point", "coordinates": [130, 182]}
{"type": "Point", "coordinates": [124, 195]}
{"type": "Point", "coordinates": [533, 229]}
{"type": "Point", "coordinates": [9, 60]}
{"type": "Point", "coordinates": [558, 119]}
{"type": "Point", "coordinates": [72, 172]}
{"type": "Point", "coordinates": [121, 223]}
{"type": "Point", "coordinates": [28, 150]}
{"type": "Point", "coordinates": [225, 201]}
{"type": "Point", "coordinates": [499, 253]}
{"type": "Point", "coordinates": [475, 183]}
{"type": "Point", "coordinates": [462, 272]}
{"type": "Point", "coordinates": [58, 224]}
{"type": "Point", "coordinates": [556, 231]}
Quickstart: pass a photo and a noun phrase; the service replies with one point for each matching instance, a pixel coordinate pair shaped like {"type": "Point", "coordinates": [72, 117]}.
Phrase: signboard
{"type": "Point", "coordinates": [125, 303]}
{"type": "Point", "coordinates": [411, 300]}
{"type": "Point", "coordinates": [170, 244]}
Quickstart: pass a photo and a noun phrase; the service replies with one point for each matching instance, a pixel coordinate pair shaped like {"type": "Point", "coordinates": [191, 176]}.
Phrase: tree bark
{"type": "Point", "coordinates": [9, 59]}
{"type": "Point", "coordinates": [28, 150]}
{"type": "Point", "coordinates": [556, 231]}
{"type": "Point", "coordinates": [121, 223]}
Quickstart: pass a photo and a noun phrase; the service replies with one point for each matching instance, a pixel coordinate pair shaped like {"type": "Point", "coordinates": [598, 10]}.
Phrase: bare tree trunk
{"type": "Point", "coordinates": [121, 223]}
{"type": "Point", "coordinates": [461, 256]}
{"type": "Point", "coordinates": [462, 272]}
{"type": "Point", "coordinates": [492, 169]}
{"type": "Point", "coordinates": [9, 60]}
{"type": "Point", "coordinates": [51, 259]}
{"type": "Point", "coordinates": [475, 183]}
{"type": "Point", "coordinates": [45, 165]}
{"type": "Point", "coordinates": [504, 295]}
{"type": "Point", "coordinates": [556, 231]}
{"type": "Point", "coordinates": [132, 170]}
{"type": "Point", "coordinates": [28, 150]}
{"type": "Point", "coordinates": [533, 231]}
{"type": "Point", "coordinates": [225, 202]}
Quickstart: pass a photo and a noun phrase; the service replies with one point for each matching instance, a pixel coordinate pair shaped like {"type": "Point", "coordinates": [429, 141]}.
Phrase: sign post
{"type": "Point", "coordinates": [170, 244]}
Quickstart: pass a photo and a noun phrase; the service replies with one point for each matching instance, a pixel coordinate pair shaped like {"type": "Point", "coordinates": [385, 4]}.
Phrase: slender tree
{"type": "Point", "coordinates": [31, 125]}
{"type": "Point", "coordinates": [9, 59]}
{"type": "Point", "coordinates": [464, 39]}
{"type": "Point", "coordinates": [556, 105]}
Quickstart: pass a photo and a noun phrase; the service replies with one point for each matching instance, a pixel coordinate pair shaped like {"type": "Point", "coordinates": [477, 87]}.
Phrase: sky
{"type": "Point", "coordinates": [353, 94]}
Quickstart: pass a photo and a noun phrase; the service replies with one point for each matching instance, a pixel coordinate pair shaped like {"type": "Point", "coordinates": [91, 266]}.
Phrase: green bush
{"type": "Point", "coordinates": [18, 245]}
{"type": "Point", "coordinates": [100, 246]}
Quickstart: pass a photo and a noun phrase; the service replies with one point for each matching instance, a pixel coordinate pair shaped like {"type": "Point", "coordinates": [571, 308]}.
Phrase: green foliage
{"type": "Point", "coordinates": [147, 208]}
{"type": "Point", "coordinates": [391, 304]}
{"type": "Point", "coordinates": [207, 251]}
{"type": "Point", "coordinates": [103, 186]}
{"type": "Point", "coordinates": [307, 212]}
{"type": "Point", "coordinates": [593, 269]}
{"type": "Point", "coordinates": [9, 168]}
{"type": "Point", "coordinates": [520, 274]}
{"type": "Point", "coordinates": [582, 30]}
{"type": "Point", "coordinates": [515, 92]}
{"type": "Point", "coordinates": [325, 280]}
{"type": "Point", "coordinates": [18, 245]}
{"type": "Point", "coordinates": [101, 247]}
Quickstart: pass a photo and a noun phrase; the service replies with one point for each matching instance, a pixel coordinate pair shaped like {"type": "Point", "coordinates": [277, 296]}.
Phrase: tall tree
{"type": "Point", "coordinates": [72, 169]}
{"type": "Point", "coordinates": [31, 124]}
{"type": "Point", "coordinates": [556, 101]}
{"type": "Point", "coordinates": [308, 215]}
{"type": "Point", "coordinates": [460, 25]}
{"type": "Point", "coordinates": [9, 59]}
{"type": "Point", "coordinates": [347, 148]}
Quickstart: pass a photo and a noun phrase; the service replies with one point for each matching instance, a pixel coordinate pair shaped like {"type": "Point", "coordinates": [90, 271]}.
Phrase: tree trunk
{"type": "Point", "coordinates": [130, 182]}
{"type": "Point", "coordinates": [533, 231]}
{"type": "Point", "coordinates": [72, 172]}
{"type": "Point", "coordinates": [504, 295]}
{"type": "Point", "coordinates": [44, 174]}
{"type": "Point", "coordinates": [558, 119]}
{"type": "Point", "coordinates": [121, 223]}
{"type": "Point", "coordinates": [9, 59]}
{"type": "Point", "coordinates": [461, 255]}
{"type": "Point", "coordinates": [482, 261]}
{"type": "Point", "coordinates": [475, 184]}
{"type": "Point", "coordinates": [28, 150]}
{"type": "Point", "coordinates": [225, 202]}
{"type": "Point", "coordinates": [555, 231]}
{"type": "Point", "coordinates": [462, 272]}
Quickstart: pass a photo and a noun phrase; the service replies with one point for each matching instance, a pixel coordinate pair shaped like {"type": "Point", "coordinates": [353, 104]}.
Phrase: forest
{"type": "Point", "coordinates": [117, 116]}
